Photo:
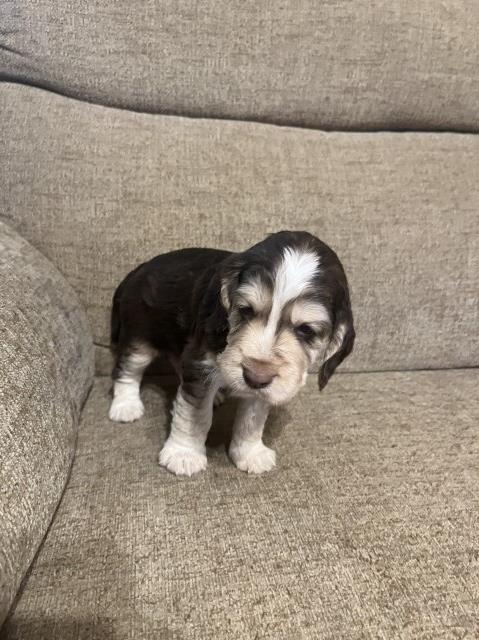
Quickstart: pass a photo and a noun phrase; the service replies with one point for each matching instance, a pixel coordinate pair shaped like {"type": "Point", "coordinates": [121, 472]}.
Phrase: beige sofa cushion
{"type": "Point", "coordinates": [99, 190]}
{"type": "Point", "coordinates": [367, 529]}
{"type": "Point", "coordinates": [367, 64]}
{"type": "Point", "coordinates": [46, 368]}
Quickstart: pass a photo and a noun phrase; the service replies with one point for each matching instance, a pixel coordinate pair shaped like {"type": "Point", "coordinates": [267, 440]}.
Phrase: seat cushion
{"type": "Point", "coordinates": [110, 189]}
{"type": "Point", "coordinates": [367, 528]}
{"type": "Point", "coordinates": [368, 64]}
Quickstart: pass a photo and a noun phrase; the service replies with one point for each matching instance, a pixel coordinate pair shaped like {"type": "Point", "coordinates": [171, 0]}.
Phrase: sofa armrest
{"type": "Point", "coordinates": [46, 369]}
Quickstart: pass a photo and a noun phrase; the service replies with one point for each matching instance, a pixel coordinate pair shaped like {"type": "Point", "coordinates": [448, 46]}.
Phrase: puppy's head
{"type": "Point", "coordinates": [288, 305]}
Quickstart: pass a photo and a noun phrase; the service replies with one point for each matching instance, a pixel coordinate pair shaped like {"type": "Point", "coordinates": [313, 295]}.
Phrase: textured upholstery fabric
{"type": "Point", "coordinates": [111, 188]}
{"type": "Point", "coordinates": [336, 64]}
{"type": "Point", "coordinates": [46, 368]}
{"type": "Point", "coordinates": [368, 528]}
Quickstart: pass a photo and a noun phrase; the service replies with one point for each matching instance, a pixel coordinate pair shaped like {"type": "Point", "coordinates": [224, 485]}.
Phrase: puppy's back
{"type": "Point", "coordinates": [154, 301]}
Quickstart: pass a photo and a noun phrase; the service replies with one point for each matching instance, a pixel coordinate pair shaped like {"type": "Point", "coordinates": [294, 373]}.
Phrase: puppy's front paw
{"type": "Point", "coordinates": [181, 460]}
{"type": "Point", "coordinates": [253, 457]}
{"type": "Point", "coordinates": [126, 409]}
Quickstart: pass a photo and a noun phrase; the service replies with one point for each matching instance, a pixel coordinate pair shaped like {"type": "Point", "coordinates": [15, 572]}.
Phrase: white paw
{"type": "Point", "coordinates": [181, 460]}
{"type": "Point", "coordinates": [253, 458]}
{"type": "Point", "coordinates": [126, 409]}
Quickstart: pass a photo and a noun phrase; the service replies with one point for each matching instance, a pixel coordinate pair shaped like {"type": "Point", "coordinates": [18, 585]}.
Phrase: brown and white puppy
{"type": "Point", "coordinates": [252, 323]}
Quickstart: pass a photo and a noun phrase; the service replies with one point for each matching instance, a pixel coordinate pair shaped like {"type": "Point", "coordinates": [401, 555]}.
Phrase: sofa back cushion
{"type": "Point", "coordinates": [368, 64]}
{"type": "Point", "coordinates": [100, 190]}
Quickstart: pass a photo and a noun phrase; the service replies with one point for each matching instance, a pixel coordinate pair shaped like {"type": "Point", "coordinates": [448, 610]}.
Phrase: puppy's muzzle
{"type": "Point", "coordinates": [258, 373]}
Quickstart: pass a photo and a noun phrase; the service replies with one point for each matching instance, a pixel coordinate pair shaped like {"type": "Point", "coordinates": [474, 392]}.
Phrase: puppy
{"type": "Point", "coordinates": [251, 322]}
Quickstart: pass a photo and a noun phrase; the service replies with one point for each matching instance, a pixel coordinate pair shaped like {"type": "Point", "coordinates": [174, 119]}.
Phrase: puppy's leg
{"type": "Point", "coordinates": [132, 362]}
{"type": "Point", "coordinates": [247, 449]}
{"type": "Point", "coordinates": [184, 452]}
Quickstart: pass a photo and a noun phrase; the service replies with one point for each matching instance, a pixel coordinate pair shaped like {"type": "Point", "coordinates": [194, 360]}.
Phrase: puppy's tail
{"type": "Point", "coordinates": [115, 318]}
{"type": "Point", "coordinates": [115, 321]}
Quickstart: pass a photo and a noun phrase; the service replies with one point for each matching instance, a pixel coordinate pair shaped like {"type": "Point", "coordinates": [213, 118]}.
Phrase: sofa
{"type": "Point", "coordinates": [132, 128]}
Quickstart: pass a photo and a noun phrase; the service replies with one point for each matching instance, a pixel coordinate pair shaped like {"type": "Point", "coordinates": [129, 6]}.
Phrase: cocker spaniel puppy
{"type": "Point", "coordinates": [252, 323]}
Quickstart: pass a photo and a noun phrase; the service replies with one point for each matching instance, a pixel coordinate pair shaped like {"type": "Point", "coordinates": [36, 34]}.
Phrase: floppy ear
{"type": "Point", "coordinates": [342, 340]}
{"type": "Point", "coordinates": [230, 278]}
{"type": "Point", "coordinates": [212, 322]}
{"type": "Point", "coordinates": [225, 293]}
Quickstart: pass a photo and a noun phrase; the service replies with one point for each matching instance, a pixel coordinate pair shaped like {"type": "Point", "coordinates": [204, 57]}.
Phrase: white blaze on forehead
{"type": "Point", "coordinates": [294, 275]}
{"type": "Point", "coordinates": [293, 278]}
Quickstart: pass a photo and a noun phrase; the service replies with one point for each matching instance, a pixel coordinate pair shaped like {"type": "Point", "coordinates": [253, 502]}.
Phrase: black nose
{"type": "Point", "coordinates": [256, 379]}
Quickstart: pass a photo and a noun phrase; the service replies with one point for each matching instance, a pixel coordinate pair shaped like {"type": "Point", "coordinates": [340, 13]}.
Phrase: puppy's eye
{"type": "Point", "coordinates": [305, 332]}
{"type": "Point", "coordinates": [246, 312]}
